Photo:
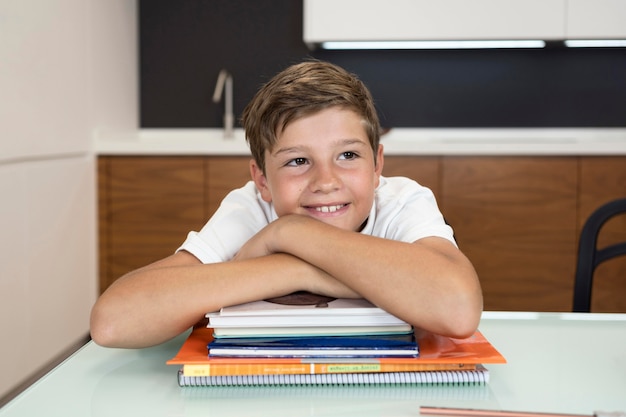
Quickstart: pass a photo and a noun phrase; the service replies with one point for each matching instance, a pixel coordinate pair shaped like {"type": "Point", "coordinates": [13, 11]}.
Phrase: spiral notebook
{"type": "Point", "coordinates": [480, 375]}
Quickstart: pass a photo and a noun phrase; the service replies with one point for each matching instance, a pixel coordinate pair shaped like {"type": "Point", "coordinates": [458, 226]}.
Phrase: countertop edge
{"type": "Point", "coordinates": [398, 142]}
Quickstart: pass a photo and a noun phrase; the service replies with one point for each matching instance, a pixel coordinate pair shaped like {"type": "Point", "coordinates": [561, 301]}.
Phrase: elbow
{"type": "Point", "coordinates": [463, 324]}
{"type": "Point", "coordinates": [105, 330]}
{"type": "Point", "coordinates": [457, 323]}
{"type": "Point", "coordinates": [112, 327]}
{"type": "Point", "coordinates": [465, 307]}
{"type": "Point", "coordinates": [456, 320]}
{"type": "Point", "coordinates": [458, 315]}
{"type": "Point", "coordinates": [101, 330]}
{"type": "Point", "coordinates": [102, 337]}
{"type": "Point", "coordinates": [463, 318]}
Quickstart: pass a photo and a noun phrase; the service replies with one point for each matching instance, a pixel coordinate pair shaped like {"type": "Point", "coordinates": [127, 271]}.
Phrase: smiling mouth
{"type": "Point", "coordinates": [330, 209]}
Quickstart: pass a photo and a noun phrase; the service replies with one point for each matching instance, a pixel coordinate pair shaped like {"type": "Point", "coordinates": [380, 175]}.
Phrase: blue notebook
{"type": "Point", "coordinates": [396, 345]}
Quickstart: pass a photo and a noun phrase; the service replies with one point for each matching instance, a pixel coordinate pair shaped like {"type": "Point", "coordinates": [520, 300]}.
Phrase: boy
{"type": "Point", "coordinates": [317, 216]}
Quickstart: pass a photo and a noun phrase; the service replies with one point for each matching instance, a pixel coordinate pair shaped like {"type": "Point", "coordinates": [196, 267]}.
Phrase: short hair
{"type": "Point", "coordinates": [302, 90]}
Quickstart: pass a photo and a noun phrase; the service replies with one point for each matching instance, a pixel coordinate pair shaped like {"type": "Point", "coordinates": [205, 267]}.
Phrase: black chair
{"type": "Point", "coordinates": [590, 256]}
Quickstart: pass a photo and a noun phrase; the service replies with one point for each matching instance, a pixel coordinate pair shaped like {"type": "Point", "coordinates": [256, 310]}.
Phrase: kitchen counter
{"type": "Point", "coordinates": [400, 141]}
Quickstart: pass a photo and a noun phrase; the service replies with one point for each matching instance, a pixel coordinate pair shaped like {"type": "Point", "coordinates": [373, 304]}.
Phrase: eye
{"type": "Point", "coordinates": [348, 155]}
{"type": "Point", "coordinates": [297, 162]}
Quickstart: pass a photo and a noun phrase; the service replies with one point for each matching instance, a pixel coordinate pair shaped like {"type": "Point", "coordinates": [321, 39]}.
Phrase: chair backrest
{"type": "Point", "coordinates": [590, 256]}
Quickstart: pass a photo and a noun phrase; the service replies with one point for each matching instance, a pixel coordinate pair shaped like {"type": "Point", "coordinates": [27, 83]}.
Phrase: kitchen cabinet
{"type": "Point", "coordinates": [603, 179]}
{"type": "Point", "coordinates": [423, 169]}
{"type": "Point", "coordinates": [597, 19]}
{"type": "Point", "coordinates": [516, 217]}
{"type": "Point", "coordinates": [372, 20]}
{"type": "Point", "coordinates": [147, 204]}
{"type": "Point", "coordinates": [146, 207]}
{"type": "Point", "coordinates": [397, 20]}
{"type": "Point", "coordinates": [224, 173]}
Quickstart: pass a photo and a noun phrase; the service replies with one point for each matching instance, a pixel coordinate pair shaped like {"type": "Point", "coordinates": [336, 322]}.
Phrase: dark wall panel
{"type": "Point", "coordinates": [184, 44]}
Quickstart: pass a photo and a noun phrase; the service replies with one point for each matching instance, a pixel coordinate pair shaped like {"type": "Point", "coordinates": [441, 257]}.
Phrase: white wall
{"type": "Point", "coordinates": [67, 69]}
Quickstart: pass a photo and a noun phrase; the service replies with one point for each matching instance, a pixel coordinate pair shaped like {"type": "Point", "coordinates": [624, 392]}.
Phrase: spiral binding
{"type": "Point", "coordinates": [469, 377]}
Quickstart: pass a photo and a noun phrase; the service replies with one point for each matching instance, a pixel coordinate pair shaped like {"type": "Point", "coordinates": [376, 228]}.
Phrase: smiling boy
{"type": "Point", "coordinates": [317, 216]}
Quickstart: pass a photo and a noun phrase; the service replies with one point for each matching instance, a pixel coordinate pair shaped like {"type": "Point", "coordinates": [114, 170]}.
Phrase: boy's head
{"type": "Point", "coordinates": [302, 90]}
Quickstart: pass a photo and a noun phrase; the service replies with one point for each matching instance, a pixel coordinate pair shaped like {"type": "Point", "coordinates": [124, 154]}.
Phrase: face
{"type": "Point", "coordinates": [322, 166]}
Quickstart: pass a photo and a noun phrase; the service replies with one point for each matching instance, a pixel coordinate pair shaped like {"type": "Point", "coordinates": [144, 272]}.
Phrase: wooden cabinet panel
{"type": "Point", "coordinates": [517, 218]}
{"type": "Point", "coordinates": [148, 204]}
{"type": "Point", "coordinates": [224, 174]}
{"type": "Point", "coordinates": [514, 217]}
{"type": "Point", "coordinates": [104, 225]}
{"type": "Point", "coordinates": [603, 179]}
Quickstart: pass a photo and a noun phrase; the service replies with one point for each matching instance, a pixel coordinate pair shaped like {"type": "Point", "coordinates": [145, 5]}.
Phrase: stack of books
{"type": "Point", "coordinates": [335, 328]}
{"type": "Point", "coordinates": [335, 342]}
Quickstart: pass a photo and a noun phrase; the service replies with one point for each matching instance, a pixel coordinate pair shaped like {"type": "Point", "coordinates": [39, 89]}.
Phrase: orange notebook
{"type": "Point", "coordinates": [437, 353]}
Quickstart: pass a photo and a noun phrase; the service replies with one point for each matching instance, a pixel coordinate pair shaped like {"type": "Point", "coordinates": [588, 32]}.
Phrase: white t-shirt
{"type": "Point", "coordinates": [403, 210]}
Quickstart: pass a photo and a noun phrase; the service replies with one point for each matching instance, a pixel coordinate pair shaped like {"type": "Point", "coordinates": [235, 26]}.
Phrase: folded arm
{"type": "Point", "coordinates": [429, 283]}
{"type": "Point", "coordinates": [157, 302]}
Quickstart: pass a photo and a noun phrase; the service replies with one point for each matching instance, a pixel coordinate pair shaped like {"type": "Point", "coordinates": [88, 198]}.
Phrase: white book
{"type": "Point", "coordinates": [335, 313]}
{"type": "Point", "coordinates": [309, 331]}
{"type": "Point", "coordinates": [339, 306]}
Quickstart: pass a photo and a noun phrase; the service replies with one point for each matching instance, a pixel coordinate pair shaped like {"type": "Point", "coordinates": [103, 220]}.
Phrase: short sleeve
{"type": "Point", "coordinates": [240, 216]}
{"type": "Point", "coordinates": [407, 211]}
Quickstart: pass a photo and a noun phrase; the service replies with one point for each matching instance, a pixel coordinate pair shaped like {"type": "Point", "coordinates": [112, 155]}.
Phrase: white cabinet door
{"type": "Point", "coordinates": [596, 19]}
{"type": "Point", "coordinates": [349, 20]}
{"type": "Point", "coordinates": [44, 79]}
{"type": "Point", "coordinates": [47, 261]}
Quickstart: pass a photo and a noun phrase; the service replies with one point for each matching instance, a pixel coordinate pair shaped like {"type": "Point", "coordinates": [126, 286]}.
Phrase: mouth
{"type": "Point", "coordinates": [329, 209]}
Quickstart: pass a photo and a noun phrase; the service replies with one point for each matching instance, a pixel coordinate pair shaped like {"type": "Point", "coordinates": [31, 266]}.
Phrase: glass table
{"type": "Point", "coordinates": [557, 362]}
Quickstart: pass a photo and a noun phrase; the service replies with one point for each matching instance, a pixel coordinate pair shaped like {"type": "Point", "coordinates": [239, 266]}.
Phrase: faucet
{"type": "Point", "coordinates": [225, 82]}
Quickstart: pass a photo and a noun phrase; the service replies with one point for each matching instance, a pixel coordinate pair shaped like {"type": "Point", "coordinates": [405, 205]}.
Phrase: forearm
{"type": "Point", "coordinates": [429, 284]}
{"type": "Point", "coordinates": [155, 303]}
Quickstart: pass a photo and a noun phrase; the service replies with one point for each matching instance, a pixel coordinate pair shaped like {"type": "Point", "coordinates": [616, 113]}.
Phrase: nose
{"type": "Point", "coordinates": [325, 179]}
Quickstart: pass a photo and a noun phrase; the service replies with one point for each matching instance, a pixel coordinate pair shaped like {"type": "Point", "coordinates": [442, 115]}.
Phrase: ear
{"type": "Point", "coordinates": [260, 181]}
{"type": "Point", "coordinates": [380, 163]}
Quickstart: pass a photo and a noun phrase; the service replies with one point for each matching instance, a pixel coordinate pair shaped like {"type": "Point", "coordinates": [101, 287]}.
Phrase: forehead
{"type": "Point", "coordinates": [331, 123]}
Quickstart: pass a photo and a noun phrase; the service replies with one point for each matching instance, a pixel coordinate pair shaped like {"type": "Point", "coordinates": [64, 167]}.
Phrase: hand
{"type": "Point", "coordinates": [265, 241]}
{"type": "Point", "coordinates": [256, 246]}
{"type": "Point", "coordinates": [324, 284]}
{"type": "Point", "coordinates": [312, 278]}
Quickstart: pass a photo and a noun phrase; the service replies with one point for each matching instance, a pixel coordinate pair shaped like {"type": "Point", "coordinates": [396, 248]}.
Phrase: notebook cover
{"type": "Point", "coordinates": [434, 349]}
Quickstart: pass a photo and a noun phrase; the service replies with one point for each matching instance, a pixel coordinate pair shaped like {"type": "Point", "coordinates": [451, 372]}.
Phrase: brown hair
{"type": "Point", "coordinates": [299, 91]}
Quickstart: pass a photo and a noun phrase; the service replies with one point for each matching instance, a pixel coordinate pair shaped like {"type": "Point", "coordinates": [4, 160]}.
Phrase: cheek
{"type": "Point", "coordinates": [285, 198]}
{"type": "Point", "coordinates": [367, 188]}
{"type": "Point", "coordinates": [367, 182]}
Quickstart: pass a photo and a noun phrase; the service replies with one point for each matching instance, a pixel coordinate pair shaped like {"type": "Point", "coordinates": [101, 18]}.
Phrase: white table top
{"type": "Point", "coordinates": [558, 363]}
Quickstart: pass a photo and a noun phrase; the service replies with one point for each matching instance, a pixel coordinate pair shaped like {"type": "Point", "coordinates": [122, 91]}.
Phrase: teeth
{"type": "Point", "coordinates": [329, 209]}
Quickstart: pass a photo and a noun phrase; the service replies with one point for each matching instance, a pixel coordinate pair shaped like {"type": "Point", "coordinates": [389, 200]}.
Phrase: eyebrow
{"type": "Point", "coordinates": [287, 150]}
{"type": "Point", "coordinates": [340, 142]}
